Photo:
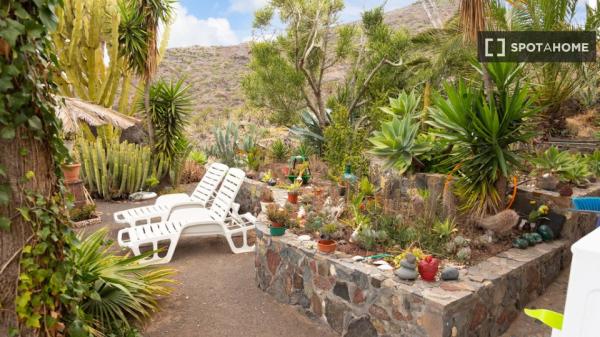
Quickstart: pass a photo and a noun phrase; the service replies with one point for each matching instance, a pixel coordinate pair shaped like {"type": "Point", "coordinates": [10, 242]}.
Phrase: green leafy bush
{"type": "Point", "coordinates": [593, 161]}
{"type": "Point", "coordinates": [568, 167]}
{"type": "Point", "coordinates": [199, 157]}
{"type": "Point", "coordinates": [114, 290]}
{"type": "Point", "coordinates": [279, 150]}
{"type": "Point", "coordinates": [344, 144]}
{"type": "Point", "coordinates": [397, 143]}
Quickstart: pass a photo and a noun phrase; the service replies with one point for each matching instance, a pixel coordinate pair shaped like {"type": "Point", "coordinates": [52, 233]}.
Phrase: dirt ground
{"type": "Point", "coordinates": [218, 297]}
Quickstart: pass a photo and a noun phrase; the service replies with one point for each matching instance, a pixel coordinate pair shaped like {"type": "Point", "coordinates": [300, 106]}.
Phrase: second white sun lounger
{"type": "Point", "coordinates": [202, 195]}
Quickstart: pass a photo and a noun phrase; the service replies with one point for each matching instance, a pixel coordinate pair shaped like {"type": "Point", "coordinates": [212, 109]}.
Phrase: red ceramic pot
{"type": "Point", "coordinates": [293, 198]}
{"type": "Point", "coordinates": [71, 172]}
{"type": "Point", "coordinates": [326, 246]}
{"type": "Point", "coordinates": [428, 268]}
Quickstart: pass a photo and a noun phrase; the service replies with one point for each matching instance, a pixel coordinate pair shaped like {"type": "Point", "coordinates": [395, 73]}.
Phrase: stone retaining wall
{"type": "Point", "coordinates": [357, 299]}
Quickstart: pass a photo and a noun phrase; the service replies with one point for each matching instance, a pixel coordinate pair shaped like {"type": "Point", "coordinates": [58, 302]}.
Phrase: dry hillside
{"type": "Point", "coordinates": [215, 73]}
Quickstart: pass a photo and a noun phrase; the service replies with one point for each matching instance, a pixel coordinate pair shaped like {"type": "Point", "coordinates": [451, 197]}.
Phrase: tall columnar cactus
{"type": "Point", "coordinates": [87, 46]}
{"type": "Point", "coordinates": [113, 170]}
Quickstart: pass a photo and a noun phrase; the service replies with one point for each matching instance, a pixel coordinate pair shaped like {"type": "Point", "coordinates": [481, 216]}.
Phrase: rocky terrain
{"type": "Point", "coordinates": [215, 73]}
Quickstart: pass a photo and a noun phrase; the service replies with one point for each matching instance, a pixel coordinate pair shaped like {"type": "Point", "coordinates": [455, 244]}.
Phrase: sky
{"type": "Point", "coordinates": [229, 22]}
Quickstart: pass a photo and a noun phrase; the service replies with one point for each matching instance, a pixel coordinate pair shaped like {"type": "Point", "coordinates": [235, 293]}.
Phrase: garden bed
{"type": "Point", "coordinates": [357, 299]}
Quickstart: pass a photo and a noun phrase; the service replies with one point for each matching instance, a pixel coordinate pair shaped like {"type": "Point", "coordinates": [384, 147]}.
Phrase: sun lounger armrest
{"type": "Point", "coordinates": [120, 236]}
{"type": "Point", "coordinates": [184, 205]}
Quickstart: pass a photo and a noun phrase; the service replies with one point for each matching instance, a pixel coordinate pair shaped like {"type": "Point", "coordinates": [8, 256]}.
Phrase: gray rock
{"type": "Point", "coordinates": [361, 327]}
{"type": "Point", "coordinates": [407, 268]}
{"type": "Point", "coordinates": [450, 274]}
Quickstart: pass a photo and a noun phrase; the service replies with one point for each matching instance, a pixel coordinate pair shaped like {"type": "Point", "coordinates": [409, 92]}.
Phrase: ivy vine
{"type": "Point", "coordinates": [45, 291]}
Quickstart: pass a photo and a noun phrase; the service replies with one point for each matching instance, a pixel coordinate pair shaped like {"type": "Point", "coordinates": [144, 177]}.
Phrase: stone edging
{"type": "Point", "coordinates": [357, 299]}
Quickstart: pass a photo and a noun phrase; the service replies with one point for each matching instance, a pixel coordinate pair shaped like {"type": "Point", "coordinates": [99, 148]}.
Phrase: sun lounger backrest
{"type": "Point", "coordinates": [209, 183]}
{"type": "Point", "coordinates": [226, 195]}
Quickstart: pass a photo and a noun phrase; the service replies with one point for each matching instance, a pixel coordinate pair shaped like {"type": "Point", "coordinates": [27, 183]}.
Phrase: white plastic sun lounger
{"type": "Point", "coordinates": [202, 195]}
{"type": "Point", "coordinates": [194, 221]}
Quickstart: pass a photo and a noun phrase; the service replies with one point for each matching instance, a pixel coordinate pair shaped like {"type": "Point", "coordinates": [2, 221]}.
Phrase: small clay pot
{"type": "Point", "coordinates": [71, 172]}
{"type": "Point", "coordinates": [326, 246]}
{"type": "Point", "coordinates": [293, 198]}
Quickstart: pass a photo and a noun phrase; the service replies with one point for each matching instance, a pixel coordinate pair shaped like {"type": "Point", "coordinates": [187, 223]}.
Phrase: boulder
{"type": "Point", "coordinates": [501, 223]}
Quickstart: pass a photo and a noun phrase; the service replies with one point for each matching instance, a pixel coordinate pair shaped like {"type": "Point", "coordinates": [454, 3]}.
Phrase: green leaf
{"type": "Point", "coordinates": [4, 194]}
{"type": "Point", "coordinates": [7, 132]}
{"type": "Point", "coordinates": [4, 223]}
{"type": "Point", "coordinates": [33, 321]}
{"type": "Point", "coordinates": [35, 123]}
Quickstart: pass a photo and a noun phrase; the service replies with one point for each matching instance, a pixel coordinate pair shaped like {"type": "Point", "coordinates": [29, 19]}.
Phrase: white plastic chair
{"type": "Point", "coordinates": [200, 197]}
{"type": "Point", "coordinates": [189, 220]}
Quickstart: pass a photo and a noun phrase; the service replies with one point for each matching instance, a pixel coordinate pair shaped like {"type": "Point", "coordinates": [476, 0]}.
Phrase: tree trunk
{"type": "Point", "coordinates": [147, 110]}
{"type": "Point", "coordinates": [487, 83]}
{"type": "Point", "coordinates": [39, 161]}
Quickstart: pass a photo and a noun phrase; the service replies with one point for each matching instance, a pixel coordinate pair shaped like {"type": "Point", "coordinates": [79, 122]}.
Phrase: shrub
{"type": "Point", "coordinates": [344, 144]}
{"type": "Point", "coordinates": [81, 213]}
{"type": "Point", "coordinates": [404, 104]}
{"type": "Point", "coordinates": [482, 131]}
{"type": "Point", "coordinates": [310, 132]}
{"type": "Point", "coordinates": [279, 150]}
{"type": "Point", "coordinates": [114, 290]}
{"type": "Point", "coordinates": [593, 161]}
{"type": "Point", "coordinates": [198, 157]}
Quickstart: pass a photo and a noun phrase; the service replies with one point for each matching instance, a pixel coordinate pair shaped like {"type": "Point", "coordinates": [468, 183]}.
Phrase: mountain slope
{"type": "Point", "coordinates": [215, 73]}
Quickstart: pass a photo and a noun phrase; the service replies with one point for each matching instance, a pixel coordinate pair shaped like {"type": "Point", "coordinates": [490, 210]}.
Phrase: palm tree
{"type": "Point", "coordinates": [473, 20]}
{"type": "Point", "coordinates": [141, 19]}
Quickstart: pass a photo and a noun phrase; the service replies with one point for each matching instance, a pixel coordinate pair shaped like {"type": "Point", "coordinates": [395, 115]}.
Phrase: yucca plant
{"type": "Point", "coordinates": [170, 106]}
{"type": "Point", "coordinates": [397, 143]}
{"type": "Point", "coordinates": [404, 104]}
{"type": "Point", "coordinates": [115, 290]}
{"type": "Point", "coordinates": [482, 132]}
{"type": "Point", "coordinates": [279, 150]}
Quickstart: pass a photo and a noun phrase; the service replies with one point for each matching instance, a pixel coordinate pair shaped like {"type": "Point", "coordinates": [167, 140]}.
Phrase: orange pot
{"type": "Point", "coordinates": [293, 198]}
{"type": "Point", "coordinates": [326, 246]}
{"type": "Point", "coordinates": [71, 172]}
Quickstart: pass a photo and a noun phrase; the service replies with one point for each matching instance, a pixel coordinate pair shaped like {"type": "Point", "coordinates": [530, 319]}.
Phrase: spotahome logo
{"type": "Point", "coordinates": [536, 46]}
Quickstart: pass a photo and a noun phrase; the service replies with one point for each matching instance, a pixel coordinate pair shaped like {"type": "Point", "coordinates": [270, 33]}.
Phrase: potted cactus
{"type": "Point", "coordinates": [279, 218]}
{"type": "Point", "coordinates": [326, 244]}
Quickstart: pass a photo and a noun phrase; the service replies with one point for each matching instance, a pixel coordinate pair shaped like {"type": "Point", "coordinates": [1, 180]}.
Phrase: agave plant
{"type": "Point", "coordinates": [226, 144]}
{"type": "Point", "coordinates": [116, 288]}
{"type": "Point", "coordinates": [552, 161]}
{"type": "Point", "coordinates": [404, 104]}
{"type": "Point", "coordinates": [311, 132]}
{"type": "Point", "coordinates": [397, 143]}
{"type": "Point", "coordinates": [482, 131]}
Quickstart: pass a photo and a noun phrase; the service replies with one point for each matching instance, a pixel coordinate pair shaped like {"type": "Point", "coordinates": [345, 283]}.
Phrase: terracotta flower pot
{"type": "Point", "coordinates": [71, 172]}
{"type": "Point", "coordinates": [276, 225]}
{"type": "Point", "coordinates": [428, 268]}
{"type": "Point", "coordinates": [326, 246]}
{"type": "Point", "coordinates": [293, 198]}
